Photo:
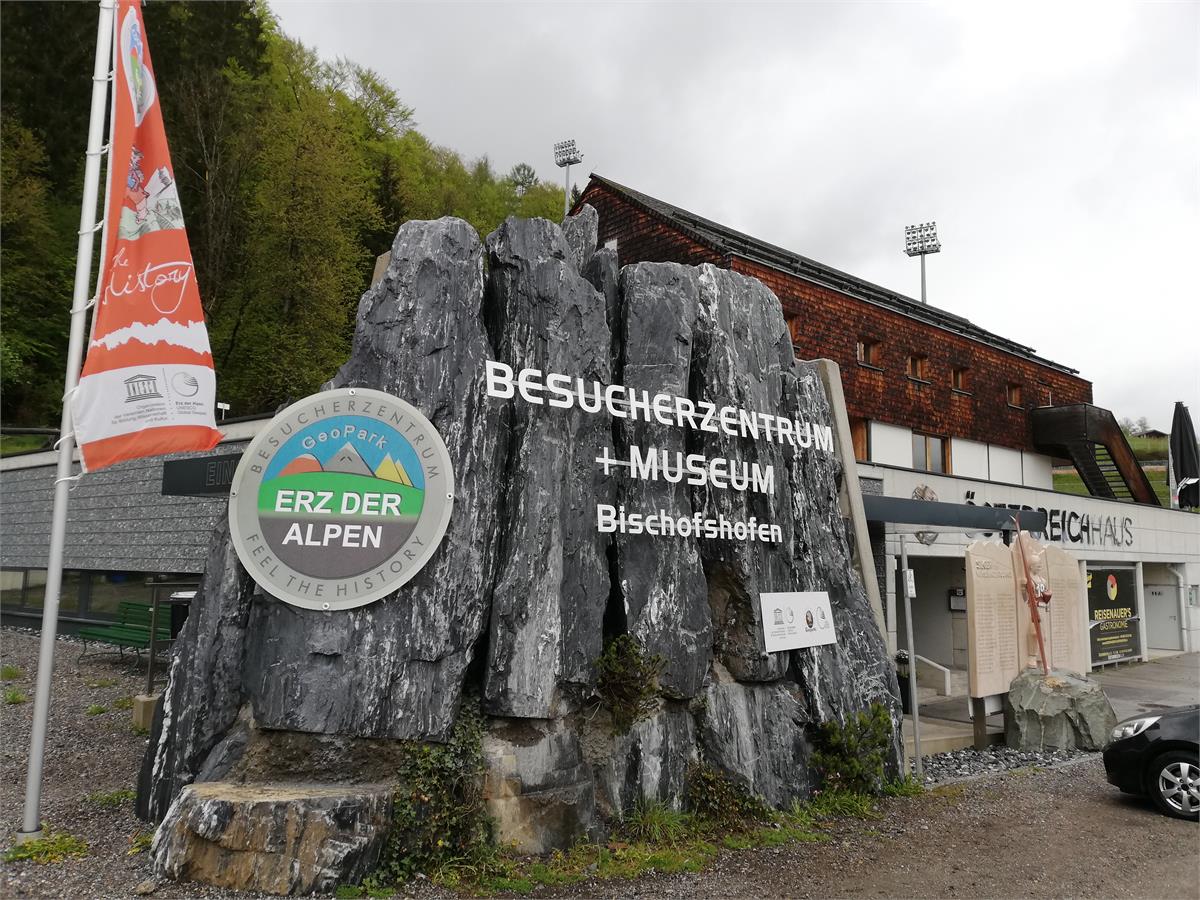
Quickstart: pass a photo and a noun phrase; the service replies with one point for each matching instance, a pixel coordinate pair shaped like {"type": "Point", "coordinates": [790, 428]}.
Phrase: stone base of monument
{"type": "Point", "coordinates": [1059, 711]}
{"type": "Point", "coordinates": [275, 838]}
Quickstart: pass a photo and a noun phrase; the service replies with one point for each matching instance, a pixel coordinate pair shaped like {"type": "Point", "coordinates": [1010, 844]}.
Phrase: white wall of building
{"type": "Point", "coordinates": [891, 445]}
{"type": "Point", "coordinates": [1036, 471]}
{"type": "Point", "coordinates": [1004, 465]}
{"type": "Point", "coordinates": [969, 458]}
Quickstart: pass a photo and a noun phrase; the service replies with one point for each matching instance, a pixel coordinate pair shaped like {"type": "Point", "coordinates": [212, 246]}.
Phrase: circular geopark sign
{"type": "Point", "coordinates": [341, 499]}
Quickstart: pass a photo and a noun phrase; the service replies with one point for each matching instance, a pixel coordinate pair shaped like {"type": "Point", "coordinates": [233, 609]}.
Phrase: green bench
{"type": "Point", "coordinates": [132, 629]}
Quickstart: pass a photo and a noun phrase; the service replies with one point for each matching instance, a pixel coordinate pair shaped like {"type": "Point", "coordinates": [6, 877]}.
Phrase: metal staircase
{"type": "Point", "coordinates": [1091, 438]}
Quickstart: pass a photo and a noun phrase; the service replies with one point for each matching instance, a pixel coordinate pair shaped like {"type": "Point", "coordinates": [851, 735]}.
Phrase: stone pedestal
{"type": "Point", "coordinates": [275, 838]}
{"type": "Point", "coordinates": [1059, 711]}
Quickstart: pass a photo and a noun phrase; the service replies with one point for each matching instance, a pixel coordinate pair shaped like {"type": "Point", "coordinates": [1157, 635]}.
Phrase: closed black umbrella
{"type": "Point", "coordinates": [1185, 459]}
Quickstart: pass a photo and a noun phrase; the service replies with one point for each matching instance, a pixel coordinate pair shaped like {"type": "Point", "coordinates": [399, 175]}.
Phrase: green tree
{"type": "Point", "coordinates": [289, 326]}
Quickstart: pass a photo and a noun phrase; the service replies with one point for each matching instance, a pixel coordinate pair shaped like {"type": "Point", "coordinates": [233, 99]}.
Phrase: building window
{"type": "Point", "coordinates": [959, 379]}
{"type": "Point", "coordinates": [1014, 395]}
{"type": "Point", "coordinates": [860, 436]}
{"type": "Point", "coordinates": [867, 352]}
{"type": "Point", "coordinates": [918, 367]}
{"type": "Point", "coordinates": [931, 454]}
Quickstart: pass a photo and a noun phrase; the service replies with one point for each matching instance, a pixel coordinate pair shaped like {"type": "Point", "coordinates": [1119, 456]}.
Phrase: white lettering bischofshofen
{"type": "Point", "coordinates": [664, 524]}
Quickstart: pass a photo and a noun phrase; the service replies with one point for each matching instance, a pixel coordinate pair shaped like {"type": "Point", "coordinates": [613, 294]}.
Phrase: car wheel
{"type": "Point", "coordinates": [1174, 783]}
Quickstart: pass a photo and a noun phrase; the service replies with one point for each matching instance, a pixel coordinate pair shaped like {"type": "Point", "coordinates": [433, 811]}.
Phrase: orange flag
{"type": "Point", "coordinates": [148, 385]}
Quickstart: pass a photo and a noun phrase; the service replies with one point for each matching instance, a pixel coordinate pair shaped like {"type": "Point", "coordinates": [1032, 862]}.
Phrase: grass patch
{"type": "Point", "coordinates": [949, 791]}
{"type": "Point", "coordinates": [908, 786]}
{"type": "Point", "coordinates": [838, 803]}
{"type": "Point", "coordinates": [51, 847]}
{"type": "Point", "coordinates": [10, 673]}
{"type": "Point", "coordinates": [654, 822]}
{"type": "Point", "coordinates": [103, 683]}
{"type": "Point", "coordinates": [139, 730]}
{"type": "Point", "coordinates": [140, 841]}
{"type": "Point", "coordinates": [96, 709]}
{"type": "Point", "coordinates": [110, 799]}
{"type": "Point", "coordinates": [12, 696]}
{"type": "Point", "coordinates": [1071, 483]}
{"type": "Point", "coordinates": [123, 703]}
{"type": "Point", "coordinates": [21, 443]}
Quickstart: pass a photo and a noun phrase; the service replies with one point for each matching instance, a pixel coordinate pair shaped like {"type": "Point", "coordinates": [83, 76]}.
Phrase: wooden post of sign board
{"type": "Point", "coordinates": [979, 722]}
{"type": "Point", "coordinates": [850, 494]}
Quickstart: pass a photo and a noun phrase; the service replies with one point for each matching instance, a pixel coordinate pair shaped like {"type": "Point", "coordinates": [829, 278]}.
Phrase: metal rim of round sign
{"type": "Point", "coordinates": [244, 522]}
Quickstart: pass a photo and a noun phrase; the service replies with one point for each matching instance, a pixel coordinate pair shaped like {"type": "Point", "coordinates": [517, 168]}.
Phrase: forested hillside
{"type": "Point", "coordinates": [293, 173]}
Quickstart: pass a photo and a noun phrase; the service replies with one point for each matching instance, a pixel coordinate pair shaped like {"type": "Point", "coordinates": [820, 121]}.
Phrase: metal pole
{"type": "Point", "coordinates": [567, 191]}
{"type": "Point", "coordinates": [923, 300]}
{"type": "Point", "coordinates": [31, 826]}
{"type": "Point", "coordinates": [912, 659]}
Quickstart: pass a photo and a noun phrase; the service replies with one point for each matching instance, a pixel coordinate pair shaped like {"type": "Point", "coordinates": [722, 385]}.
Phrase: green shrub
{"type": "Point", "coordinates": [51, 847]}
{"type": "Point", "coordinates": [628, 682]}
{"type": "Point", "coordinates": [719, 802]}
{"type": "Point", "coordinates": [851, 757]}
{"type": "Point", "coordinates": [140, 842]}
{"type": "Point", "coordinates": [123, 703]}
{"type": "Point", "coordinates": [96, 710]}
{"type": "Point", "coordinates": [9, 673]}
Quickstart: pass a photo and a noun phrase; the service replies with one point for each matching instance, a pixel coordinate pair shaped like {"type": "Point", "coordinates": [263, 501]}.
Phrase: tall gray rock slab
{"type": "Point", "coordinates": [842, 678]}
{"type": "Point", "coordinates": [1059, 711]}
{"type": "Point", "coordinates": [395, 668]}
{"type": "Point", "coordinates": [553, 584]}
{"type": "Point", "coordinates": [603, 273]}
{"type": "Point", "coordinates": [204, 690]}
{"type": "Point", "coordinates": [648, 763]}
{"type": "Point", "coordinates": [756, 733]}
{"type": "Point", "coordinates": [661, 579]}
{"type": "Point", "coordinates": [581, 232]}
{"type": "Point", "coordinates": [742, 351]}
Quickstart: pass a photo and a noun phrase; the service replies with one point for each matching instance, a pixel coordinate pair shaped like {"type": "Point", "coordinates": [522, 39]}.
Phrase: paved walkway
{"type": "Point", "coordinates": [1132, 688]}
{"type": "Point", "coordinates": [1137, 688]}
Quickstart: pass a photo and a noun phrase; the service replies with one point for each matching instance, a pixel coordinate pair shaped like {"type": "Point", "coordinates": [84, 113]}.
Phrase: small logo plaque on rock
{"type": "Point", "coordinates": [341, 499]}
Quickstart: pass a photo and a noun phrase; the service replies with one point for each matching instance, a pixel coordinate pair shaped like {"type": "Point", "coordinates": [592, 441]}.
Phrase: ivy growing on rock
{"type": "Point", "coordinates": [438, 811]}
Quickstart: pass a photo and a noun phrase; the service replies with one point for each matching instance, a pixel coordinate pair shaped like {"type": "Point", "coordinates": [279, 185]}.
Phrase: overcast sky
{"type": "Point", "coordinates": [1056, 145]}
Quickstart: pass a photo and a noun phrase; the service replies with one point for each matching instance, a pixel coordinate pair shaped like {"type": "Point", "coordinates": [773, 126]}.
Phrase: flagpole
{"type": "Point", "coordinates": [31, 826]}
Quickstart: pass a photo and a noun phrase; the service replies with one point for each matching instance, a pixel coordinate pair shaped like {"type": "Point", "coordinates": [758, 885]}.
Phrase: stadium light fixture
{"type": "Point", "coordinates": [921, 240]}
{"type": "Point", "coordinates": [566, 154]}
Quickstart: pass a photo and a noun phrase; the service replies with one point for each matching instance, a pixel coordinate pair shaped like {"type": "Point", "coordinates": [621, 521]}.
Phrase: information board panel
{"type": "Point", "coordinates": [796, 619]}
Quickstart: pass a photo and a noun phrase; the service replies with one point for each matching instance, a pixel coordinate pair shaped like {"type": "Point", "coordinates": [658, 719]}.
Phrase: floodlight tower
{"type": "Point", "coordinates": [921, 240]}
{"type": "Point", "coordinates": [566, 154]}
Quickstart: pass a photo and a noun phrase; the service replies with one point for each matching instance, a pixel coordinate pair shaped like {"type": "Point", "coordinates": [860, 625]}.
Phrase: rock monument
{"type": "Point", "coordinates": [289, 715]}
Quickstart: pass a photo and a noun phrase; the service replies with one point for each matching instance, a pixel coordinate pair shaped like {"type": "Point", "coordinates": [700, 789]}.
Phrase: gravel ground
{"type": "Point", "coordinates": [994, 824]}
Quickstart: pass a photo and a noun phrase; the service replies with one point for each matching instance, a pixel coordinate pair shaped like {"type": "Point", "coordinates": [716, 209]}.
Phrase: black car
{"type": "Point", "coordinates": [1159, 756]}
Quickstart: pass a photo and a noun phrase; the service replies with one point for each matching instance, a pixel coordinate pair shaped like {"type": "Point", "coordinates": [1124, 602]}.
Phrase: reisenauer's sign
{"type": "Point", "coordinates": [341, 499]}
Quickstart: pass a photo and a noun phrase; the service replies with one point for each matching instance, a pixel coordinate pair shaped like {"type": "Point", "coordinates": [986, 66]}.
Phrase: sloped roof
{"type": "Point", "coordinates": [734, 243]}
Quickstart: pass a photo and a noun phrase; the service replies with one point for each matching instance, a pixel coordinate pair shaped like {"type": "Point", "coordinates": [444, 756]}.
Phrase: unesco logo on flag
{"type": "Point", "coordinates": [341, 499]}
